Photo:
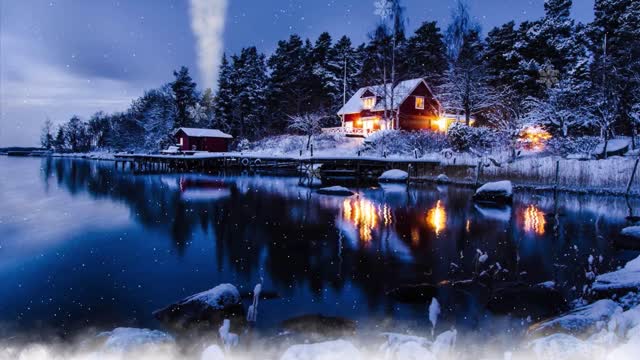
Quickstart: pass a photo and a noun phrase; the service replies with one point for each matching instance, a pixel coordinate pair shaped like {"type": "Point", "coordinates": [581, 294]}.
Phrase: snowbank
{"type": "Point", "coordinates": [338, 349]}
{"type": "Point", "coordinates": [213, 352]}
{"type": "Point", "coordinates": [335, 190]}
{"type": "Point", "coordinates": [614, 147]}
{"type": "Point", "coordinates": [394, 175]}
{"type": "Point", "coordinates": [625, 279]}
{"type": "Point", "coordinates": [563, 346]}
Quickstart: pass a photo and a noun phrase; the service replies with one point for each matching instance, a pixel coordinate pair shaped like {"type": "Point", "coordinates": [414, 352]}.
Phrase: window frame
{"type": "Point", "coordinates": [373, 102]}
{"type": "Point", "coordinates": [423, 102]}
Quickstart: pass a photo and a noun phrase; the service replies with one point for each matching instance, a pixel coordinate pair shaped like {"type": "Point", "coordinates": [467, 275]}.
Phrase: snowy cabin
{"type": "Point", "coordinates": [414, 108]}
{"type": "Point", "coordinates": [211, 140]}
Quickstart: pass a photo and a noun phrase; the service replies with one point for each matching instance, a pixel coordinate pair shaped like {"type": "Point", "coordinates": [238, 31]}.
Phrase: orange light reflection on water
{"type": "Point", "coordinates": [365, 216]}
{"type": "Point", "coordinates": [534, 220]}
{"type": "Point", "coordinates": [437, 218]}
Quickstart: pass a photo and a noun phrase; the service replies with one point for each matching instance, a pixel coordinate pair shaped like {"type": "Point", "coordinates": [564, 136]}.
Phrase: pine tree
{"type": "Point", "coordinates": [98, 129]}
{"type": "Point", "coordinates": [345, 67]}
{"type": "Point", "coordinates": [46, 135]}
{"type": "Point", "coordinates": [156, 113]}
{"type": "Point", "coordinates": [325, 85]}
{"type": "Point", "coordinates": [425, 55]}
{"type": "Point", "coordinates": [223, 103]}
{"type": "Point", "coordinates": [59, 143]}
{"type": "Point", "coordinates": [184, 90]}
{"type": "Point", "coordinates": [249, 77]}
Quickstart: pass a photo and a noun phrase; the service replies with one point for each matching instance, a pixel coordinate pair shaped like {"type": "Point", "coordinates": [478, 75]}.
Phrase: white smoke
{"type": "Point", "coordinates": [207, 24]}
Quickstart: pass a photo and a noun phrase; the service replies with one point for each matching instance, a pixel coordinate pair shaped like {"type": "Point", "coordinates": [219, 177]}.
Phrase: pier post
{"type": "Point", "coordinates": [557, 179]}
{"type": "Point", "coordinates": [633, 175]}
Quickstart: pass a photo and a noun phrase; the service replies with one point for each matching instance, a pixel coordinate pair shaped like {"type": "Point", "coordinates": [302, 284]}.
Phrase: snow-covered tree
{"type": "Point", "coordinates": [307, 124]}
{"type": "Point", "coordinates": [345, 67]}
{"type": "Point", "coordinates": [425, 54]}
{"type": "Point", "coordinates": [59, 141]}
{"type": "Point", "coordinates": [46, 135]}
{"type": "Point", "coordinates": [184, 92]}
{"type": "Point", "coordinates": [76, 138]}
{"type": "Point", "coordinates": [223, 102]}
{"type": "Point", "coordinates": [560, 109]}
{"type": "Point", "coordinates": [250, 82]}
{"type": "Point", "coordinates": [156, 113]}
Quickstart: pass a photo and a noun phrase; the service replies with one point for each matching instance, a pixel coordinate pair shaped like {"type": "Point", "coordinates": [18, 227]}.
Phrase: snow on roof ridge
{"type": "Point", "coordinates": [199, 132]}
{"type": "Point", "coordinates": [401, 91]}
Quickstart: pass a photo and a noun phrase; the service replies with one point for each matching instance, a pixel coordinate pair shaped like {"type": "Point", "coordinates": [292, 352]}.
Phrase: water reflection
{"type": "Point", "coordinates": [176, 235]}
{"type": "Point", "coordinates": [366, 216]}
{"type": "Point", "coordinates": [534, 221]}
{"type": "Point", "coordinates": [437, 218]}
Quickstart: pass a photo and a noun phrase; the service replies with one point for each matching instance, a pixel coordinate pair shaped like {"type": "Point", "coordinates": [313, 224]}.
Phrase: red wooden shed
{"type": "Point", "coordinates": [193, 139]}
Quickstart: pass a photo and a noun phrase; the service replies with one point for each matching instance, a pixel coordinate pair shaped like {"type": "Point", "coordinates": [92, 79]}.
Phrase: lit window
{"type": "Point", "coordinates": [369, 103]}
{"type": "Point", "coordinates": [181, 141]}
{"type": "Point", "coordinates": [420, 102]}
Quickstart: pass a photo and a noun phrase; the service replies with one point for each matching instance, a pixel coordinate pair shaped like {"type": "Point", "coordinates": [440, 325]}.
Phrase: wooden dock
{"type": "Point", "coordinates": [325, 167]}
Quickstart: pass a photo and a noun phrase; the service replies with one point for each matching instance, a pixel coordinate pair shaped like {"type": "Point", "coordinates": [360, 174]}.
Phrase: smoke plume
{"type": "Point", "coordinates": [207, 24]}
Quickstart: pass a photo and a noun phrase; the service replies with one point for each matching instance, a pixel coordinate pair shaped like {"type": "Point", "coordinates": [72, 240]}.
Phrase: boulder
{"type": "Point", "coordinates": [618, 282]}
{"type": "Point", "coordinates": [629, 238]}
{"type": "Point", "coordinates": [395, 175]}
{"type": "Point", "coordinates": [442, 179]}
{"type": "Point", "coordinates": [500, 193]}
{"type": "Point", "coordinates": [127, 339]}
{"type": "Point", "coordinates": [335, 190]}
{"type": "Point", "coordinates": [565, 347]}
{"type": "Point", "coordinates": [204, 310]}
{"type": "Point", "coordinates": [522, 300]}
{"type": "Point", "coordinates": [584, 320]}
{"type": "Point", "coordinates": [338, 349]}
{"type": "Point", "coordinates": [320, 326]}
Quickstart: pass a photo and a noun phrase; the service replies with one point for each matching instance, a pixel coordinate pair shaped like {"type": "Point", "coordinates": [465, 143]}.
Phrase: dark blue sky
{"type": "Point", "coordinates": [64, 57]}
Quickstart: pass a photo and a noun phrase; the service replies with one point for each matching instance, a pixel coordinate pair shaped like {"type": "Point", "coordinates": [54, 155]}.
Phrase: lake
{"type": "Point", "coordinates": [83, 245]}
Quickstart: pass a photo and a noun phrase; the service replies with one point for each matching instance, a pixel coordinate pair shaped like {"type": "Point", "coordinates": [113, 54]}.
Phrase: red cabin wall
{"type": "Point", "coordinates": [202, 143]}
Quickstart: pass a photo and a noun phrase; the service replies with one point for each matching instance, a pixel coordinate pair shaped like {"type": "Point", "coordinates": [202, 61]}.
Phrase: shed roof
{"type": "Point", "coordinates": [210, 133]}
{"type": "Point", "coordinates": [400, 94]}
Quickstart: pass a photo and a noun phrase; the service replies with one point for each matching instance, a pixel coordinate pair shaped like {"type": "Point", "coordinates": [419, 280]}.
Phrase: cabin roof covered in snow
{"type": "Point", "coordinates": [211, 133]}
{"type": "Point", "coordinates": [400, 94]}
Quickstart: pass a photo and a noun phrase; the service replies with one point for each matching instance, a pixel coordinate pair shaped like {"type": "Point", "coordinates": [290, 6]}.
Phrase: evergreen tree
{"type": "Point", "coordinates": [184, 92]}
{"type": "Point", "coordinates": [223, 103]}
{"type": "Point", "coordinates": [425, 54]}
{"type": "Point", "coordinates": [98, 129]}
{"type": "Point", "coordinates": [46, 135]}
{"type": "Point", "coordinates": [345, 67]}
{"type": "Point", "coordinates": [156, 113]}
{"type": "Point", "coordinates": [75, 135]}
{"type": "Point", "coordinates": [326, 84]}
{"type": "Point", "coordinates": [502, 60]}
{"type": "Point", "coordinates": [250, 81]}
{"type": "Point", "coordinates": [59, 143]}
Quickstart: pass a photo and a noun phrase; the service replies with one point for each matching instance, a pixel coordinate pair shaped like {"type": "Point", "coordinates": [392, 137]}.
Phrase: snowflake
{"type": "Point", "coordinates": [548, 76]}
{"type": "Point", "coordinates": [384, 8]}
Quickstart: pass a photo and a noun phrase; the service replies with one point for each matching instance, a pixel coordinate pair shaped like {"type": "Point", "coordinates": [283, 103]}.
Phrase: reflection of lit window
{"type": "Point", "coordinates": [365, 216]}
{"type": "Point", "coordinates": [420, 102]}
{"type": "Point", "coordinates": [437, 218]}
{"type": "Point", "coordinates": [534, 220]}
{"type": "Point", "coordinates": [369, 103]}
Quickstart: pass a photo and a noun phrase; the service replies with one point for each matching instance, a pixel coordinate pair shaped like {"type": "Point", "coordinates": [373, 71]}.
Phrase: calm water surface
{"type": "Point", "coordinates": [83, 245]}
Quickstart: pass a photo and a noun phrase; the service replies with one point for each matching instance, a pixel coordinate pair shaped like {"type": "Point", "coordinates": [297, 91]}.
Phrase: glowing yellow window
{"type": "Point", "coordinates": [369, 103]}
{"type": "Point", "coordinates": [420, 102]}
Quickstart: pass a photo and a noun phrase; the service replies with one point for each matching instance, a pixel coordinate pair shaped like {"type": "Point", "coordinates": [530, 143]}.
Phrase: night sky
{"type": "Point", "coordinates": [64, 57]}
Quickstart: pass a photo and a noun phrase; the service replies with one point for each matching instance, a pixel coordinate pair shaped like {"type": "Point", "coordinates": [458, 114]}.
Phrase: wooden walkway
{"type": "Point", "coordinates": [325, 167]}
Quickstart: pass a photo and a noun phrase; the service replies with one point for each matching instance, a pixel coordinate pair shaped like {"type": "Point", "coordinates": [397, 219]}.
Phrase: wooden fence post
{"type": "Point", "coordinates": [633, 175]}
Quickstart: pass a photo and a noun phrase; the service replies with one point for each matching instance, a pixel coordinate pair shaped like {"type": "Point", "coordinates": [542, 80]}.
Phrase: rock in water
{"type": "Point", "coordinates": [443, 179]}
{"type": "Point", "coordinates": [335, 190]}
{"type": "Point", "coordinates": [619, 282]}
{"type": "Point", "coordinates": [204, 310]}
{"type": "Point", "coordinates": [500, 193]}
{"type": "Point", "coordinates": [522, 300]}
{"type": "Point", "coordinates": [338, 349]}
{"type": "Point", "coordinates": [394, 175]}
{"type": "Point", "coordinates": [319, 326]}
{"type": "Point", "coordinates": [629, 238]}
{"type": "Point", "coordinates": [581, 321]}
{"type": "Point", "coordinates": [126, 339]}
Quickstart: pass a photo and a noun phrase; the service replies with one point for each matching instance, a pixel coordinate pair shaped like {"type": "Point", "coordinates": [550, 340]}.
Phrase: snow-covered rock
{"type": "Point", "coordinates": [629, 238]}
{"type": "Point", "coordinates": [563, 346]}
{"type": "Point", "coordinates": [443, 179]}
{"type": "Point", "coordinates": [213, 352]}
{"type": "Point", "coordinates": [631, 231]}
{"type": "Point", "coordinates": [126, 339]}
{"type": "Point", "coordinates": [614, 147]}
{"type": "Point", "coordinates": [335, 190]}
{"type": "Point", "coordinates": [208, 308]}
{"type": "Point", "coordinates": [443, 345]}
{"type": "Point", "coordinates": [411, 350]}
{"type": "Point", "coordinates": [500, 192]}
{"type": "Point", "coordinates": [394, 175]}
{"type": "Point", "coordinates": [620, 281]}
{"type": "Point", "coordinates": [590, 318]}
{"type": "Point", "coordinates": [338, 349]}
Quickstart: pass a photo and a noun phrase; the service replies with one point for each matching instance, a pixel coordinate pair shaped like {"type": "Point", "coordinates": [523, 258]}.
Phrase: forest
{"type": "Point", "coordinates": [570, 78]}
